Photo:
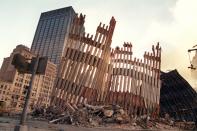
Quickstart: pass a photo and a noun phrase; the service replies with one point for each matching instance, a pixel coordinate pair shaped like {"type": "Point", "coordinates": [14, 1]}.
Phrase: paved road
{"type": "Point", "coordinates": [7, 124]}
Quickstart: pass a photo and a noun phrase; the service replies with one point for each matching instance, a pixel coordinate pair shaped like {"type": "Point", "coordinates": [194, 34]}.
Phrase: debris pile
{"type": "Point", "coordinates": [177, 98]}
{"type": "Point", "coordinates": [84, 115]}
{"type": "Point", "coordinates": [112, 116]}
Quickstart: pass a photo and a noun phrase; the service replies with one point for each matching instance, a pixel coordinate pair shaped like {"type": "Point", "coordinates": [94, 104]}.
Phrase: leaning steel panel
{"type": "Point", "coordinates": [84, 65]}
{"type": "Point", "coordinates": [135, 83]}
{"type": "Point", "coordinates": [91, 72]}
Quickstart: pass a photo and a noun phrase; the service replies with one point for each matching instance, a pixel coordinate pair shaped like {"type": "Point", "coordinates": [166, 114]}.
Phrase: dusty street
{"type": "Point", "coordinates": [7, 124]}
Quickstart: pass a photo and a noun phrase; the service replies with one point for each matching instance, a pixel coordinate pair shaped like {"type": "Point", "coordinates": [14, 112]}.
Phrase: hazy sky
{"type": "Point", "coordinates": [143, 22]}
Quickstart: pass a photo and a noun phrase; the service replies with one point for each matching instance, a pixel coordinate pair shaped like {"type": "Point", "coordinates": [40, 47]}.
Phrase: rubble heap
{"type": "Point", "coordinates": [84, 115]}
{"type": "Point", "coordinates": [92, 72]}
{"type": "Point", "coordinates": [112, 116]}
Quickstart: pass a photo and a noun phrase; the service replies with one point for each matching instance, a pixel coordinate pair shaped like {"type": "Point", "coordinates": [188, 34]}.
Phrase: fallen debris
{"type": "Point", "coordinates": [104, 115]}
{"type": "Point", "coordinates": [84, 115]}
{"type": "Point", "coordinates": [178, 98]}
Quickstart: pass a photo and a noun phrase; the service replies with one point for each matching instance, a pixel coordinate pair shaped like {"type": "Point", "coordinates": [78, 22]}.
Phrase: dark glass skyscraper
{"type": "Point", "coordinates": [52, 33]}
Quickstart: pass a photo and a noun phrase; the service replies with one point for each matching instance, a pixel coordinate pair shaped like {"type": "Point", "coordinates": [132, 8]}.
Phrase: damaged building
{"type": "Point", "coordinates": [92, 72]}
{"type": "Point", "coordinates": [177, 98]}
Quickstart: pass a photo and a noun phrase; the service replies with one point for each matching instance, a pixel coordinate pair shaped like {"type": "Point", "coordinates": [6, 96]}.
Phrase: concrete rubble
{"type": "Point", "coordinates": [85, 115]}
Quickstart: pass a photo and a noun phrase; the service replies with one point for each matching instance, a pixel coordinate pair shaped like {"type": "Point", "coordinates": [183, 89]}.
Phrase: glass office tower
{"type": "Point", "coordinates": [52, 33]}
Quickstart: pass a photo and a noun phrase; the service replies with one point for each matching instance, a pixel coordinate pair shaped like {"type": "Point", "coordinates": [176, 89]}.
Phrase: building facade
{"type": "Point", "coordinates": [52, 33]}
{"type": "Point", "coordinates": [5, 91]}
{"type": "Point", "coordinates": [17, 84]}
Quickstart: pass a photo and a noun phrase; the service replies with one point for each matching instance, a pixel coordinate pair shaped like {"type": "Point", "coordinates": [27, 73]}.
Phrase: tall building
{"type": "Point", "coordinates": [13, 85]}
{"type": "Point", "coordinates": [7, 71]}
{"type": "Point", "coordinates": [52, 33]}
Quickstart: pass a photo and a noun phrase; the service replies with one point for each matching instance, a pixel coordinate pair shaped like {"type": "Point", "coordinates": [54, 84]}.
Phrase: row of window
{"type": "Point", "coordinates": [4, 98]}
{"type": "Point", "coordinates": [43, 29]}
{"type": "Point", "coordinates": [4, 92]}
{"type": "Point", "coordinates": [4, 87]}
{"type": "Point", "coordinates": [54, 45]}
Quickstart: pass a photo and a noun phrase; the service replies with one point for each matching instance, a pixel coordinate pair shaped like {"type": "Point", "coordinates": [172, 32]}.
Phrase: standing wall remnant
{"type": "Point", "coordinates": [135, 83]}
{"type": "Point", "coordinates": [91, 72]}
{"type": "Point", "coordinates": [85, 64]}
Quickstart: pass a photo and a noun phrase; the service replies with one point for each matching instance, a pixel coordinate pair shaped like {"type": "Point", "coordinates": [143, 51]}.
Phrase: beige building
{"type": "Point", "coordinates": [5, 90]}
{"type": "Point", "coordinates": [18, 83]}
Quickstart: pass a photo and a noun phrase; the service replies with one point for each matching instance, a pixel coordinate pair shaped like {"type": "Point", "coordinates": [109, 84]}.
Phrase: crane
{"type": "Point", "coordinates": [189, 51]}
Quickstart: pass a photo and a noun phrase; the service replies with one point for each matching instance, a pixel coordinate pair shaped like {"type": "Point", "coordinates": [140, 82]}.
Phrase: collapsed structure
{"type": "Point", "coordinates": [135, 83]}
{"type": "Point", "coordinates": [91, 72]}
{"type": "Point", "coordinates": [178, 98]}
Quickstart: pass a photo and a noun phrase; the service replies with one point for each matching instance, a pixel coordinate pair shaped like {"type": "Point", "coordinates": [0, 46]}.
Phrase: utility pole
{"type": "Point", "coordinates": [22, 126]}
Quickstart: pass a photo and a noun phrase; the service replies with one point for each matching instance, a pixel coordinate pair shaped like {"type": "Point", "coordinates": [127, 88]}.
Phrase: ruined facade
{"type": "Point", "coordinates": [178, 98]}
{"type": "Point", "coordinates": [135, 83]}
{"type": "Point", "coordinates": [85, 63]}
{"type": "Point", "coordinates": [92, 72]}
